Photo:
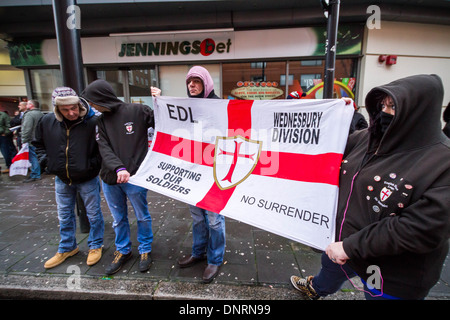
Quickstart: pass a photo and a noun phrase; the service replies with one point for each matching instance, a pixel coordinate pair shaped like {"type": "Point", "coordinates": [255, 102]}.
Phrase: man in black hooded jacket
{"type": "Point", "coordinates": [392, 221]}
{"type": "Point", "coordinates": [123, 142]}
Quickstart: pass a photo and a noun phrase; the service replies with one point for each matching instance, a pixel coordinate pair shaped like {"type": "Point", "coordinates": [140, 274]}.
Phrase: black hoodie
{"type": "Point", "coordinates": [122, 133]}
{"type": "Point", "coordinates": [393, 209]}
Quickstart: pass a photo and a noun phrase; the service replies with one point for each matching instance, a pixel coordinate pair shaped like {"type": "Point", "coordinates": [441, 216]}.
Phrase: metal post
{"type": "Point", "coordinates": [332, 10]}
{"type": "Point", "coordinates": [67, 23]}
{"type": "Point", "coordinates": [66, 13]}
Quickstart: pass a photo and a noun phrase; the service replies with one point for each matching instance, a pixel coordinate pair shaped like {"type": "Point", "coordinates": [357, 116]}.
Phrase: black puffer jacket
{"type": "Point", "coordinates": [122, 133]}
{"type": "Point", "coordinates": [70, 153]}
{"type": "Point", "coordinates": [393, 209]}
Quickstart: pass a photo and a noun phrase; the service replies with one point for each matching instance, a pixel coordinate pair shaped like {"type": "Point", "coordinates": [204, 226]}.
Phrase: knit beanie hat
{"type": "Point", "coordinates": [63, 96]}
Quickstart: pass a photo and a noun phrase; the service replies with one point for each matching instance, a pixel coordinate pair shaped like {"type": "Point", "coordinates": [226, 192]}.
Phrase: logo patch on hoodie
{"type": "Point", "coordinates": [129, 128]}
{"type": "Point", "coordinates": [388, 193]}
{"type": "Point", "coordinates": [385, 193]}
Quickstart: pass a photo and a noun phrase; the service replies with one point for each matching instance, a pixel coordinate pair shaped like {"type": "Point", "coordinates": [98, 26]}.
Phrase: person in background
{"type": "Point", "coordinates": [7, 146]}
{"type": "Point", "coordinates": [65, 140]}
{"type": "Point", "coordinates": [358, 121]}
{"type": "Point", "coordinates": [392, 221]}
{"type": "Point", "coordinates": [30, 120]}
{"type": "Point", "coordinates": [17, 121]}
{"type": "Point", "coordinates": [208, 227]}
{"type": "Point", "coordinates": [123, 142]}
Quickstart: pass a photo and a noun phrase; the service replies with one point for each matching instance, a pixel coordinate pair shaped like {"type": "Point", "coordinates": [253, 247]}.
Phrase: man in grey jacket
{"type": "Point", "coordinates": [30, 120]}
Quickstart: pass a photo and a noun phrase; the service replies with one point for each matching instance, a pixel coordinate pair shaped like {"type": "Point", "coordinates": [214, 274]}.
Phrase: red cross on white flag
{"type": "Point", "coordinates": [273, 164]}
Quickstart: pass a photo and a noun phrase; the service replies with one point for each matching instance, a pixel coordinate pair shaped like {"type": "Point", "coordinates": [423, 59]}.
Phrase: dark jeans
{"type": "Point", "coordinates": [8, 149]}
{"type": "Point", "coordinates": [332, 276]}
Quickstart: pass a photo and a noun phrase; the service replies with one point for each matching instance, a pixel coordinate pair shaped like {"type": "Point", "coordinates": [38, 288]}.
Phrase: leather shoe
{"type": "Point", "coordinates": [189, 261]}
{"type": "Point", "coordinates": [59, 258]}
{"type": "Point", "coordinates": [145, 262]}
{"type": "Point", "coordinates": [210, 273]}
{"type": "Point", "coordinates": [118, 262]}
{"type": "Point", "coordinates": [94, 256]}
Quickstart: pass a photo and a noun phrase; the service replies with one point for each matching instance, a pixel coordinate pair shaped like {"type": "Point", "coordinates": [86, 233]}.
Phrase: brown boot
{"type": "Point", "coordinates": [94, 256]}
{"type": "Point", "coordinates": [210, 273]}
{"type": "Point", "coordinates": [59, 258]}
{"type": "Point", "coordinates": [189, 261]}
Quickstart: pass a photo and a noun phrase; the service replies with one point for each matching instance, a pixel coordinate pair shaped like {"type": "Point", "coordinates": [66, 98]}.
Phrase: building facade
{"type": "Point", "coordinates": [256, 61]}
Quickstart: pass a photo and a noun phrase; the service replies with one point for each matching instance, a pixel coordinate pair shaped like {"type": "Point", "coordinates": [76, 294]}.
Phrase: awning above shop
{"type": "Point", "coordinates": [29, 18]}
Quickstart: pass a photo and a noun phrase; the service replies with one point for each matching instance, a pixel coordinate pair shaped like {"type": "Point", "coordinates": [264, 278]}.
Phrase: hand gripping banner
{"type": "Point", "coordinates": [272, 164]}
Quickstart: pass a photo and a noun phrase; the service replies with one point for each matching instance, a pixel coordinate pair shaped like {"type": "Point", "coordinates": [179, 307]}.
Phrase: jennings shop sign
{"type": "Point", "coordinates": [220, 46]}
{"type": "Point", "coordinates": [205, 48]}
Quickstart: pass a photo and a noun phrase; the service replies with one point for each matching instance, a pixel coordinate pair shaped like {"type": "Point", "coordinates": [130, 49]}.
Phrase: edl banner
{"type": "Point", "coordinates": [273, 164]}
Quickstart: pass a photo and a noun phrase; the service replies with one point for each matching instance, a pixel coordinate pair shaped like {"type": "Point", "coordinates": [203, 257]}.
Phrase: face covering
{"type": "Point", "coordinates": [385, 120]}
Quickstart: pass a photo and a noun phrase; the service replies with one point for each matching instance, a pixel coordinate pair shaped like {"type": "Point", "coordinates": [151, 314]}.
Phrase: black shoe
{"type": "Point", "coordinates": [118, 262]}
{"type": "Point", "coordinates": [31, 180]}
{"type": "Point", "coordinates": [145, 262]}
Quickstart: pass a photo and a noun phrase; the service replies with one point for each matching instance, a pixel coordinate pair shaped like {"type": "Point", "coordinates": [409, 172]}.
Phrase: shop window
{"type": "Point", "coordinates": [129, 85]}
{"type": "Point", "coordinates": [173, 79]}
{"type": "Point", "coordinates": [258, 65]}
{"type": "Point", "coordinates": [308, 77]}
{"type": "Point", "coordinates": [312, 63]}
{"type": "Point", "coordinates": [307, 81]}
{"type": "Point", "coordinates": [43, 82]}
{"type": "Point", "coordinates": [283, 80]}
{"type": "Point", "coordinates": [139, 83]}
{"type": "Point", "coordinates": [254, 80]}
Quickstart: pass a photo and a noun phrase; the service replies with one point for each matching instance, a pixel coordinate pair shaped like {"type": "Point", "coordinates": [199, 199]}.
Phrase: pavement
{"type": "Point", "coordinates": [257, 264]}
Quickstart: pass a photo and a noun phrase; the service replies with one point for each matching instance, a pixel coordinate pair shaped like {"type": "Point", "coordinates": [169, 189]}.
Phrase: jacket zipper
{"type": "Point", "coordinates": [348, 202]}
{"type": "Point", "coordinates": [67, 149]}
{"type": "Point", "coordinates": [67, 156]}
{"type": "Point", "coordinates": [363, 164]}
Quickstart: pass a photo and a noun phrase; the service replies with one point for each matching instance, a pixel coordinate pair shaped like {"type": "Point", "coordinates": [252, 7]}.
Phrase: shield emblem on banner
{"type": "Point", "coordinates": [234, 160]}
{"type": "Point", "coordinates": [385, 193]}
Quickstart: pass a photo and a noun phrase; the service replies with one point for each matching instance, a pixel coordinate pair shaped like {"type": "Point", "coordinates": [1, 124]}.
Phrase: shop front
{"type": "Point", "coordinates": [254, 65]}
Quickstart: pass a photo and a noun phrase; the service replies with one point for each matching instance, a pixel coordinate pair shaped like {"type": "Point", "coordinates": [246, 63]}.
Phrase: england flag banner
{"type": "Point", "coordinates": [20, 162]}
{"type": "Point", "coordinates": [273, 164]}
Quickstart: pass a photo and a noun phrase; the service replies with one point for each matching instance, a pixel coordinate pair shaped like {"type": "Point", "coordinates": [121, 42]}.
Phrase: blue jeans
{"type": "Point", "coordinates": [66, 198]}
{"type": "Point", "coordinates": [35, 167]}
{"type": "Point", "coordinates": [116, 197]}
{"type": "Point", "coordinates": [208, 230]}
{"type": "Point", "coordinates": [332, 276]}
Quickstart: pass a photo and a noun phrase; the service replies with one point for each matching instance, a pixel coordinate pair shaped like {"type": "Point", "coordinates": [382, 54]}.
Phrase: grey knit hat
{"type": "Point", "coordinates": [63, 96]}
